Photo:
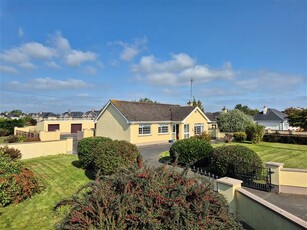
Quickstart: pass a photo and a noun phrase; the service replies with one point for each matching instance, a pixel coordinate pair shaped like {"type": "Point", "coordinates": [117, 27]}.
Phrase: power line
{"type": "Point", "coordinates": [41, 95]}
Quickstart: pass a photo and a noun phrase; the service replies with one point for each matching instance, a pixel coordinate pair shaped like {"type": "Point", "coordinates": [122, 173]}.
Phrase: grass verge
{"type": "Point", "coordinates": [61, 177]}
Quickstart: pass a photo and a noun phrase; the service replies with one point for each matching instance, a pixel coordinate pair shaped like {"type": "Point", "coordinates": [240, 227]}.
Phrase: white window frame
{"type": "Point", "coordinates": [163, 129]}
{"type": "Point", "coordinates": [198, 128]}
{"type": "Point", "coordinates": [186, 131]}
{"type": "Point", "coordinates": [141, 130]}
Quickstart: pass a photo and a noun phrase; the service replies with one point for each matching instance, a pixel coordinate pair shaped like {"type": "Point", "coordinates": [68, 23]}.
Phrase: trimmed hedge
{"type": "Point", "coordinates": [254, 133]}
{"type": "Point", "coordinates": [148, 198]}
{"type": "Point", "coordinates": [190, 151]}
{"type": "Point", "coordinates": [288, 139]}
{"type": "Point", "coordinates": [109, 156]}
{"type": "Point", "coordinates": [86, 147]}
{"type": "Point", "coordinates": [226, 160]}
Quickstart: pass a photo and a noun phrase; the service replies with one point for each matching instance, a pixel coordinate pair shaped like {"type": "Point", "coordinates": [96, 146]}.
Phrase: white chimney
{"type": "Point", "coordinates": [224, 110]}
{"type": "Point", "coordinates": [265, 109]}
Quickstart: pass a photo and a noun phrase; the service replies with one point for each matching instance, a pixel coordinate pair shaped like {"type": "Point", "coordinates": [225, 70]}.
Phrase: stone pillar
{"type": "Point", "coordinates": [69, 145]}
{"type": "Point", "coordinates": [227, 187]}
{"type": "Point", "coordinates": [275, 177]}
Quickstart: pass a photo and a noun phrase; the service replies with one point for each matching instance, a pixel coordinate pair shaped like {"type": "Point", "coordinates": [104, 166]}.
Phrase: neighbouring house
{"type": "Point", "coordinates": [144, 123]}
{"type": "Point", "coordinates": [92, 114]}
{"type": "Point", "coordinates": [71, 115]}
{"type": "Point", "coordinates": [272, 119]}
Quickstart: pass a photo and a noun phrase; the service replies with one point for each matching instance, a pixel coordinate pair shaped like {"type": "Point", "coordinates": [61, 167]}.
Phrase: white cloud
{"type": "Point", "coordinates": [52, 64]}
{"type": "Point", "coordinates": [130, 50]}
{"type": "Point", "coordinates": [8, 69]}
{"type": "Point", "coordinates": [90, 70]}
{"type": "Point", "coordinates": [20, 32]}
{"type": "Point", "coordinates": [59, 50]}
{"type": "Point", "coordinates": [178, 70]}
{"type": "Point", "coordinates": [76, 57]}
{"type": "Point", "coordinates": [177, 63]}
{"type": "Point", "coordinates": [49, 84]}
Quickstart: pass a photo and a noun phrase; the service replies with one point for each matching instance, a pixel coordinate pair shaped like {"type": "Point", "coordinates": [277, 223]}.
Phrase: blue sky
{"type": "Point", "coordinates": [59, 55]}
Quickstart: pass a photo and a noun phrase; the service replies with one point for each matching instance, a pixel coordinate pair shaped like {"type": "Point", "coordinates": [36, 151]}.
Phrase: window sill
{"type": "Point", "coordinates": [163, 133]}
{"type": "Point", "coordinates": [144, 135]}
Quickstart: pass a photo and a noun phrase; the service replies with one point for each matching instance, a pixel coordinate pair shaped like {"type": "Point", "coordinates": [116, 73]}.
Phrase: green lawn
{"type": "Point", "coordinates": [293, 156]}
{"type": "Point", "coordinates": [61, 178]}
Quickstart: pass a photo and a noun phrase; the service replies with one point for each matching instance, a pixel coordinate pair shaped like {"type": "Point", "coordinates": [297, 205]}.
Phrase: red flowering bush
{"type": "Point", "coordinates": [147, 198]}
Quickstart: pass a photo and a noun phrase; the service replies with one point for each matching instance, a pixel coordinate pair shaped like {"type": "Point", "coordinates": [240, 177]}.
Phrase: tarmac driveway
{"type": "Point", "coordinates": [151, 153]}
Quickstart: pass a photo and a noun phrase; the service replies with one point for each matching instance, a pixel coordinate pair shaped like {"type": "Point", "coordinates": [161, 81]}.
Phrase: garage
{"type": "Point", "coordinates": [53, 127]}
{"type": "Point", "coordinates": [76, 127]}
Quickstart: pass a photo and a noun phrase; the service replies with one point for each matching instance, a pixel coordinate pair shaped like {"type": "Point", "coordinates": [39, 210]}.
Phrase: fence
{"type": "Point", "coordinates": [211, 178]}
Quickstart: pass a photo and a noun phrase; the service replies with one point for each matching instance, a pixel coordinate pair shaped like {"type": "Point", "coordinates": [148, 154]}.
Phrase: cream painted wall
{"type": "Point", "coordinates": [293, 177]}
{"type": "Point", "coordinates": [50, 136]}
{"type": "Point", "coordinates": [193, 118]}
{"type": "Point", "coordinates": [111, 124]}
{"type": "Point", "coordinates": [153, 137]}
{"type": "Point", "coordinates": [37, 149]}
{"type": "Point", "coordinates": [65, 125]}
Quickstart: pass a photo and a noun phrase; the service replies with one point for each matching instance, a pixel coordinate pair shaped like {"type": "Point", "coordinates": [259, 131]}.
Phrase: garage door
{"type": "Point", "coordinates": [53, 127]}
{"type": "Point", "coordinates": [76, 127]}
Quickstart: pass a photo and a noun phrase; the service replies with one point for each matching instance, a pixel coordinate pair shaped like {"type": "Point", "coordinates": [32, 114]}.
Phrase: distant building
{"type": "Point", "coordinates": [272, 119]}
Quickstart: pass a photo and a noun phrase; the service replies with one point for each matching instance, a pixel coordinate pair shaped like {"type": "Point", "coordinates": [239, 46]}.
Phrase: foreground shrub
{"type": "Point", "coordinates": [148, 198]}
{"type": "Point", "coordinates": [204, 136]}
{"type": "Point", "coordinates": [16, 182]}
{"type": "Point", "coordinates": [255, 133]}
{"type": "Point", "coordinates": [189, 151]}
{"type": "Point", "coordinates": [226, 160]}
{"type": "Point", "coordinates": [85, 149]}
{"type": "Point", "coordinates": [13, 153]}
{"type": "Point", "coordinates": [240, 136]}
{"type": "Point", "coordinates": [3, 132]}
{"type": "Point", "coordinates": [18, 187]}
{"type": "Point", "coordinates": [112, 155]}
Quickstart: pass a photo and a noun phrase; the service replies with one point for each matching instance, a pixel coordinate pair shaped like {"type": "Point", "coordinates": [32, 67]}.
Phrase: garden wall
{"type": "Point", "coordinates": [38, 149]}
{"type": "Point", "coordinates": [254, 211]}
{"type": "Point", "coordinates": [288, 180]}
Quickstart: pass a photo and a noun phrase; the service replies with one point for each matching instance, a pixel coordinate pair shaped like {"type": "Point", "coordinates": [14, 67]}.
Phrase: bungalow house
{"type": "Point", "coordinates": [144, 123]}
{"type": "Point", "coordinates": [272, 119]}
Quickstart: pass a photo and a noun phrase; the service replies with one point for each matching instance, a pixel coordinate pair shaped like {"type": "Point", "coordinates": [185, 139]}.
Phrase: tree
{"type": "Point", "coordinates": [234, 121]}
{"type": "Point", "coordinates": [16, 112]}
{"type": "Point", "coordinates": [147, 100]}
{"type": "Point", "coordinates": [297, 117]}
{"type": "Point", "coordinates": [197, 104]}
{"type": "Point", "coordinates": [245, 109]}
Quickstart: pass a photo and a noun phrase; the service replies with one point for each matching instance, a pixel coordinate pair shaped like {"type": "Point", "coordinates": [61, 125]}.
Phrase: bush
{"type": "Point", "coordinates": [13, 153]}
{"type": "Point", "coordinates": [85, 149]}
{"type": "Point", "coordinates": [12, 139]}
{"type": "Point", "coordinates": [18, 187]}
{"type": "Point", "coordinates": [16, 183]}
{"type": "Point", "coordinates": [204, 136]}
{"type": "Point", "coordinates": [233, 121]}
{"type": "Point", "coordinates": [189, 151]}
{"type": "Point", "coordinates": [240, 136]}
{"type": "Point", "coordinates": [255, 133]}
{"type": "Point", "coordinates": [31, 139]}
{"type": "Point", "coordinates": [289, 139]}
{"type": "Point", "coordinates": [228, 137]}
{"type": "Point", "coordinates": [148, 198]}
{"type": "Point", "coordinates": [3, 132]}
{"type": "Point", "coordinates": [226, 160]}
{"type": "Point", "coordinates": [112, 155]}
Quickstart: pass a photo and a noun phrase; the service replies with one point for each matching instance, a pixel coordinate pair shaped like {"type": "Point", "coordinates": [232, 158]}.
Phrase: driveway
{"type": "Point", "coordinates": [151, 153]}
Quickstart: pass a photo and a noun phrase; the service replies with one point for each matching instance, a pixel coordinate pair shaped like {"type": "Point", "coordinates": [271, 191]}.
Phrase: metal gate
{"type": "Point", "coordinates": [261, 180]}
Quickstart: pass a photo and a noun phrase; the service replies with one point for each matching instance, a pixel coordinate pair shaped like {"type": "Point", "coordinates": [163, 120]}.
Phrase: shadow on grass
{"type": "Point", "coordinates": [89, 173]}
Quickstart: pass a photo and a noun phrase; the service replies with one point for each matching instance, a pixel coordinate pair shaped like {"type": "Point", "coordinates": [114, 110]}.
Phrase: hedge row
{"type": "Point", "coordinates": [289, 139]}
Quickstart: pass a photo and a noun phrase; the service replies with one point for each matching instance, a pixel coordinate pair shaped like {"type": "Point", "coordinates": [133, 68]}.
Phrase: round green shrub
{"type": "Point", "coordinates": [226, 160]}
{"type": "Point", "coordinates": [240, 136]}
{"type": "Point", "coordinates": [112, 155]}
{"type": "Point", "coordinates": [148, 198]}
{"type": "Point", "coordinates": [85, 149]}
{"type": "Point", "coordinates": [189, 151]}
{"type": "Point", "coordinates": [255, 133]}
